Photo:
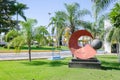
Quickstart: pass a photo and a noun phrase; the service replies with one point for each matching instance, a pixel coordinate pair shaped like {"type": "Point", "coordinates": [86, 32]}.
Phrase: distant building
{"type": "Point", "coordinates": [107, 27]}
{"type": "Point", "coordinates": [109, 47]}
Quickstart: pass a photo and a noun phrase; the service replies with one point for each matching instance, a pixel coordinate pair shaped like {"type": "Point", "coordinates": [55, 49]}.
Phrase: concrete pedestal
{"type": "Point", "coordinates": [88, 63]}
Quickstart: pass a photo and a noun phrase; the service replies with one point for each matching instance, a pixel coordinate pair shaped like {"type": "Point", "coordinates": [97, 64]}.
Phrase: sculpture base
{"type": "Point", "coordinates": [88, 63]}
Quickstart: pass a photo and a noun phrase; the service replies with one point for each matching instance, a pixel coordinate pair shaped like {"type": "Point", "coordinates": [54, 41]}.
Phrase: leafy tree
{"type": "Point", "coordinates": [7, 10]}
{"type": "Point", "coordinates": [6, 21]}
{"type": "Point", "coordinates": [115, 15]}
{"type": "Point", "coordinates": [114, 34]}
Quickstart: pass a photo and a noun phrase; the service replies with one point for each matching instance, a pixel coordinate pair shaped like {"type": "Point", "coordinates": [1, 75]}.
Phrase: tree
{"type": "Point", "coordinates": [6, 21]}
{"type": "Point", "coordinates": [115, 15]}
{"type": "Point", "coordinates": [18, 9]}
{"type": "Point", "coordinates": [98, 25]}
{"type": "Point", "coordinates": [58, 22]}
{"type": "Point", "coordinates": [27, 35]}
{"type": "Point", "coordinates": [28, 32]}
{"type": "Point", "coordinates": [73, 15]}
{"type": "Point", "coordinates": [41, 35]}
{"type": "Point", "coordinates": [7, 10]}
{"type": "Point", "coordinates": [115, 31]}
{"type": "Point", "coordinates": [24, 36]}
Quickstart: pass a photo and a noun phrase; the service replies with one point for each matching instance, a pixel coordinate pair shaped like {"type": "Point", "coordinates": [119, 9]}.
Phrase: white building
{"type": "Point", "coordinates": [108, 47]}
{"type": "Point", "coordinates": [107, 27]}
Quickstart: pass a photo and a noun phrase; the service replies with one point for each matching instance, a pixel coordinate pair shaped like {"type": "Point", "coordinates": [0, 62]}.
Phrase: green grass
{"type": "Point", "coordinates": [40, 48]}
{"type": "Point", "coordinates": [46, 48]}
{"type": "Point", "coordinates": [58, 70]}
{"type": "Point", "coordinates": [34, 48]}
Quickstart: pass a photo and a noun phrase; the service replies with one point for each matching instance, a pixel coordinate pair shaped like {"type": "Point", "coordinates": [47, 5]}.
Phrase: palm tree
{"type": "Point", "coordinates": [19, 38]}
{"type": "Point", "coordinates": [41, 35]}
{"type": "Point", "coordinates": [58, 22]}
{"type": "Point", "coordinates": [98, 7]}
{"type": "Point", "coordinates": [28, 32]}
{"type": "Point", "coordinates": [73, 15]}
{"type": "Point", "coordinates": [18, 9]}
{"type": "Point", "coordinates": [114, 34]}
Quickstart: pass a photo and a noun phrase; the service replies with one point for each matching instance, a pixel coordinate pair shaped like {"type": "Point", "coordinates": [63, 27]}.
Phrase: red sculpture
{"type": "Point", "coordinates": [81, 52]}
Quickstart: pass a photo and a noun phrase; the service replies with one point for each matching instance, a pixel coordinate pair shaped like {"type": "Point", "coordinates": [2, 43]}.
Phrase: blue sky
{"type": "Point", "coordinates": [39, 9]}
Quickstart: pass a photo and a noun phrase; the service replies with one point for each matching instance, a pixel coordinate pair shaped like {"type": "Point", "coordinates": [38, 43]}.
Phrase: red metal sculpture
{"type": "Point", "coordinates": [81, 52]}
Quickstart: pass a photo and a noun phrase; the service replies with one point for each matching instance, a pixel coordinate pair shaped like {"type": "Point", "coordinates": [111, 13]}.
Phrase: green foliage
{"type": "Point", "coordinates": [9, 8]}
{"type": "Point", "coordinates": [5, 15]}
{"type": "Point", "coordinates": [18, 9]}
{"type": "Point", "coordinates": [115, 19]}
{"type": "Point", "coordinates": [58, 22]}
{"type": "Point", "coordinates": [73, 14]}
{"type": "Point", "coordinates": [17, 43]}
{"type": "Point", "coordinates": [114, 35]}
{"type": "Point", "coordinates": [100, 5]}
{"type": "Point", "coordinates": [58, 70]}
{"type": "Point", "coordinates": [115, 15]}
{"type": "Point", "coordinates": [41, 35]}
{"type": "Point", "coordinates": [97, 28]}
{"type": "Point", "coordinates": [11, 34]}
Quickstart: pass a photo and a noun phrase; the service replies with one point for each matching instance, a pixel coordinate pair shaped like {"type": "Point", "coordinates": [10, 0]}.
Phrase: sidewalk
{"type": "Point", "coordinates": [37, 55]}
{"type": "Point", "coordinates": [34, 55]}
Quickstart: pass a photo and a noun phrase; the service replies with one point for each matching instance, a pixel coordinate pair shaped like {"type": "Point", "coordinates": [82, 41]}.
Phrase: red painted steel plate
{"type": "Point", "coordinates": [81, 52]}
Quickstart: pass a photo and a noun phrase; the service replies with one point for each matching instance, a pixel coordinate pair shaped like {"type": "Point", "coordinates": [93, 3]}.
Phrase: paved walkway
{"type": "Point", "coordinates": [35, 55]}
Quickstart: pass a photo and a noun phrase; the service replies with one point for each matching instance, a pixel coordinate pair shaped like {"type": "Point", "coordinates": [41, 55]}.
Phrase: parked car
{"type": "Point", "coordinates": [3, 44]}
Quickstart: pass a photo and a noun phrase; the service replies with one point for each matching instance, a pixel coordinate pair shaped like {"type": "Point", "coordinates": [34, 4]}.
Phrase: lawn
{"type": "Point", "coordinates": [43, 69]}
{"type": "Point", "coordinates": [34, 49]}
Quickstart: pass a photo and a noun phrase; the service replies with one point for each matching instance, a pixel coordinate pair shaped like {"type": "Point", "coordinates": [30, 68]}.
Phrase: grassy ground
{"type": "Point", "coordinates": [34, 49]}
{"type": "Point", "coordinates": [58, 70]}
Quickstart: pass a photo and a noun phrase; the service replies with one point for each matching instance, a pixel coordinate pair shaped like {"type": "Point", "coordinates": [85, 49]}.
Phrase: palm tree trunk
{"type": "Point", "coordinates": [29, 48]}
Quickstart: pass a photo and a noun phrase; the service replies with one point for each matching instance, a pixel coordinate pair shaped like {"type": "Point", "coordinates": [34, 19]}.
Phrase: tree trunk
{"type": "Point", "coordinates": [29, 48]}
{"type": "Point", "coordinates": [60, 40]}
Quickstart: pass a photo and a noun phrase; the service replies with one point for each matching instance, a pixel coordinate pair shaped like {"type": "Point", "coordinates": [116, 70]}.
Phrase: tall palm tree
{"type": "Point", "coordinates": [18, 10]}
{"type": "Point", "coordinates": [98, 7]}
{"type": "Point", "coordinates": [58, 22]}
{"type": "Point", "coordinates": [114, 34]}
{"type": "Point", "coordinates": [74, 15]}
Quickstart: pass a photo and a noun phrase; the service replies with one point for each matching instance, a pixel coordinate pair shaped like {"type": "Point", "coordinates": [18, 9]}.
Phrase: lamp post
{"type": "Point", "coordinates": [49, 27]}
{"type": "Point", "coordinates": [51, 35]}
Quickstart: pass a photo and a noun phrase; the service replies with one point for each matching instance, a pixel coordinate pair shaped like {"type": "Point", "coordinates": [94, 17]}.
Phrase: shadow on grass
{"type": "Point", "coordinates": [57, 63]}
{"type": "Point", "coordinates": [49, 63]}
{"type": "Point", "coordinates": [110, 65]}
{"type": "Point", "coordinates": [35, 63]}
